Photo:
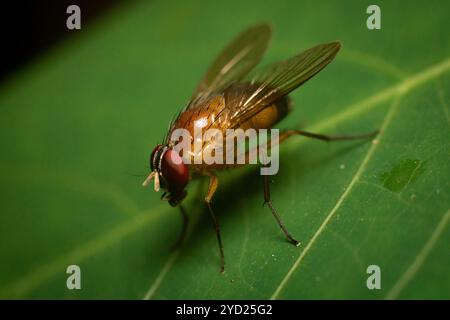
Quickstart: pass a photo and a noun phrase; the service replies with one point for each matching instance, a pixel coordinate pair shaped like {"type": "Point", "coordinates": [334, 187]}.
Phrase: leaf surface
{"type": "Point", "coordinates": [76, 123]}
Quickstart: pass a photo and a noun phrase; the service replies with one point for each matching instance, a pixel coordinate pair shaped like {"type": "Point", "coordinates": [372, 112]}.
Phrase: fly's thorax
{"type": "Point", "coordinates": [210, 114]}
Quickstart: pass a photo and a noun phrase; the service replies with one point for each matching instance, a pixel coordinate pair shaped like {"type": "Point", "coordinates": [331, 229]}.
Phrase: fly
{"type": "Point", "coordinates": [231, 96]}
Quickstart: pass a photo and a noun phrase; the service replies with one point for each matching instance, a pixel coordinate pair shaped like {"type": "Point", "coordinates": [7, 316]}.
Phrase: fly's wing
{"type": "Point", "coordinates": [235, 61]}
{"type": "Point", "coordinates": [279, 79]}
{"type": "Point", "coordinates": [232, 64]}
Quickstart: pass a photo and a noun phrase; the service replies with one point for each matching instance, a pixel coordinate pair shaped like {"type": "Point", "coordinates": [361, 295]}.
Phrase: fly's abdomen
{"type": "Point", "coordinates": [270, 115]}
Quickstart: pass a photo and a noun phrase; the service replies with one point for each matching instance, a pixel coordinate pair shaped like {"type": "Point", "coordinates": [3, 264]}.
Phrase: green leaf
{"type": "Point", "coordinates": [77, 122]}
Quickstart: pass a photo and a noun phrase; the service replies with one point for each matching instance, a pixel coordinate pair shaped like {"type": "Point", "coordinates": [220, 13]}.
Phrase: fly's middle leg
{"type": "Point", "coordinates": [213, 183]}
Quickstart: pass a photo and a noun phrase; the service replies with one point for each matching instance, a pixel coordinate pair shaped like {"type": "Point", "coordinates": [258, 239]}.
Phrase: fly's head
{"type": "Point", "coordinates": [169, 173]}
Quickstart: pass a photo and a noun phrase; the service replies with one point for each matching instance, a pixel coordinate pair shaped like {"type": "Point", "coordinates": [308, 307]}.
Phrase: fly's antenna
{"type": "Point", "coordinates": [134, 174]}
{"type": "Point", "coordinates": [140, 175]}
{"type": "Point", "coordinates": [155, 175]}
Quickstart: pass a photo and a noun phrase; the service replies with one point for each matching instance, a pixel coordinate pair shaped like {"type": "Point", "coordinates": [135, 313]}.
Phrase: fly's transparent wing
{"type": "Point", "coordinates": [236, 60]}
{"type": "Point", "coordinates": [279, 79]}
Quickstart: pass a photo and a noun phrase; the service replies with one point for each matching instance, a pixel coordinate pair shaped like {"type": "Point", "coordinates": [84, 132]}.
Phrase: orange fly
{"type": "Point", "coordinates": [230, 96]}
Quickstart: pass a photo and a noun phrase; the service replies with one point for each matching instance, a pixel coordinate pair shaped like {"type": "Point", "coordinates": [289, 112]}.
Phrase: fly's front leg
{"type": "Point", "coordinates": [268, 201]}
{"type": "Point", "coordinates": [213, 183]}
{"type": "Point", "coordinates": [185, 222]}
{"type": "Point", "coordinates": [185, 217]}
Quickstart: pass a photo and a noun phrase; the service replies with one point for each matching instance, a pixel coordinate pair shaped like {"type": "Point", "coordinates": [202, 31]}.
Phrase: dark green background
{"type": "Point", "coordinates": [77, 122]}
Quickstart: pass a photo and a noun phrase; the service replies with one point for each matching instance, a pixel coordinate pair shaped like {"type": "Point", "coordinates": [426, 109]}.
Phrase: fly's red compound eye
{"type": "Point", "coordinates": [174, 171]}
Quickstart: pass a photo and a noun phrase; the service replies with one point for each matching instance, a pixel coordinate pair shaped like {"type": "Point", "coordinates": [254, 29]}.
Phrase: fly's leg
{"type": "Point", "coordinates": [253, 153]}
{"type": "Point", "coordinates": [288, 133]}
{"type": "Point", "coordinates": [185, 222]}
{"type": "Point", "coordinates": [282, 138]}
{"type": "Point", "coordinates": [213, 183]}
{"type": "Point", "coordinates": [268, 202]}
{"type": "Point", "coordinates": [250, 154]}
{"type": "Point", "coordinates": [185, 218]}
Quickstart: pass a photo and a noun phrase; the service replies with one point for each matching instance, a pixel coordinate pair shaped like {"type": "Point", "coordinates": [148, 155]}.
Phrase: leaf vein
{"type": "Point", "coordinates": [404, 280]}
{"type": "Point", "coordinates": [338, 204]}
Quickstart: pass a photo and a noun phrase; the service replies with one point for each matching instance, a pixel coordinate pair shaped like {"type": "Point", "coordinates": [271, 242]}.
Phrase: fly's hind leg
{"type": "Point", "coordinates": [213, 183]}
{"type": "Point", "coordinates": [286, 134]}
{"type": "Point", "coordinates": [268, 202]}
{"type": "Point", "coordinates": [283, 137]}
{"type": "Point", "coordinates": [253, 153]}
